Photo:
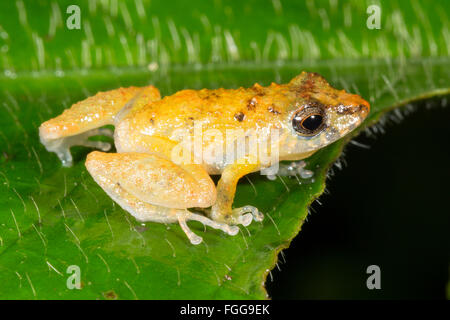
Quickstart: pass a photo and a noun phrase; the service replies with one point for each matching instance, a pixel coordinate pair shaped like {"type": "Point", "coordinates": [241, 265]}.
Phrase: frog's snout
{"type": "Point", "coordinates": [364, 108]}
{"type": "Point", "coordinates": [354, 105]}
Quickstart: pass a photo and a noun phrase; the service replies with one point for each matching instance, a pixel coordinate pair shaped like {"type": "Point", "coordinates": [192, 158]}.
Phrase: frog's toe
{"type": "Point", "coordinates": [101, 132]}
{"type": "Point", "coordinates": [61, 148]}
{"type": "Point", "coordinates": [258, 216]}
{"type": "Point", "coordinates": [104, 146]}
{"type": "Point", "coordinates": [234, 230]}
{"type": "Point", "coordinates": [231, 230]}
{"type": "Point", "coordinates": [193, 238]}
{"type": "Point", "coordinates": [65, 157]}
{"type": "Point", "coordinates": [245, 219]}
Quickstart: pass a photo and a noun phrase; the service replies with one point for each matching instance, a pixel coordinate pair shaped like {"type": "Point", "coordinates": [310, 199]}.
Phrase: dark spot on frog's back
{"type": "Point", "coordinates": [211, 96]}
{"type": "Point", "coordinates": [305, 89]}
{"type": "Point", "coordinates": [189, 121]}
{"type": "Point", "coordinates": [315, 75]}
{"type": "Point", "coordinates": [311, 81]}
{"type": "Point", "coordinates": [208, 95]}
{"type": "Point", "coordinates": [273, 110]}
{"type": "Point", "coordinates": [251, 105]}
{"type": "Point", "coordinates": [258, 90]}
{"type": "Point", "coordinates": [239, 116]}
{"type": "Point", "coordinates": [308, 84]}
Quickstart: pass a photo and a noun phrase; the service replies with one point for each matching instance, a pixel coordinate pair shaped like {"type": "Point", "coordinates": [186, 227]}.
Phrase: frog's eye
{"type": "Point", "coordinates": [309, 121]}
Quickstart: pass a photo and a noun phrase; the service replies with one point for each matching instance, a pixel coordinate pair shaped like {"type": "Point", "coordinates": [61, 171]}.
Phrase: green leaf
{"type": "Point", "coordinates": [53, 217]}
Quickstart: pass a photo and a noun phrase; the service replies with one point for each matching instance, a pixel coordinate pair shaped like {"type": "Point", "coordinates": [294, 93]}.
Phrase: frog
{"type": "Point", "coordinates": [145, 178]}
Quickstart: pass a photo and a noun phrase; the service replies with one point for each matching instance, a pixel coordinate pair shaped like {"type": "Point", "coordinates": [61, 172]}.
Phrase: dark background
{"type": "Point", "coordinates": [389, 206]}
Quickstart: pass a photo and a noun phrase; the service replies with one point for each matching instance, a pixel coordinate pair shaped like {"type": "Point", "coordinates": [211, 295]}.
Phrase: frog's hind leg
{"type": "Point", "coordinates": [84, 119]}
{"type": "Point", "coordinates": [152, 188]}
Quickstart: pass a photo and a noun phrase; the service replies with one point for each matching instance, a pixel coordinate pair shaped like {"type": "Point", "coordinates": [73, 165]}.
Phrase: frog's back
{"type": "Point", "coordinates": [214, 109]}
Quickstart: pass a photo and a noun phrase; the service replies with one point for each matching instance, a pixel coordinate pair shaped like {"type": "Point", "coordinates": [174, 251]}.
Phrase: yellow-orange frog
{"type": "Point", "coordinates": [146, 176]}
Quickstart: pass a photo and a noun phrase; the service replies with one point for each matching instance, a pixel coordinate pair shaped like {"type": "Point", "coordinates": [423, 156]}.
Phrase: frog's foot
{"type": "Point", "coordinates": [195, 239]}
{"type": "Point", "coordinates": [61, 146]}
{"type": "Point", "coordinates": [245, 215]}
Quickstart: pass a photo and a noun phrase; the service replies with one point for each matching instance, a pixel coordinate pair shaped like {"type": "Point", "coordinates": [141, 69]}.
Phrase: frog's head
{"type": "Point", "coordinates": [319, 116]}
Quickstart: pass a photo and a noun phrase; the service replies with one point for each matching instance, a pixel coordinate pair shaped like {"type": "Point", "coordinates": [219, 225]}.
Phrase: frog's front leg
{"type": "Point", "coordinates": [152, 188]}
{"type": "Point", "coordinates": [226, 189]}
{"type": "Point", "coordinates": [84, 119]}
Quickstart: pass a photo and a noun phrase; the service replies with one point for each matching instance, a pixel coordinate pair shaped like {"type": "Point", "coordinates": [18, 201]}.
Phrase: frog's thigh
{"type": "Point", "coordinates": [152, 188]}
{"type": "Point", "coordinates": [154, 179]}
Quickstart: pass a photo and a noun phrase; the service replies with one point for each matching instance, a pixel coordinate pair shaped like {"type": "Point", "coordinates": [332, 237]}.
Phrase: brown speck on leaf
{"type": "Point", "coordinates": [6, 155]}
{"type": "Point", "coordinates": [110, 295]}
{"type": "Point", "coordinates": [48, 38]}
{"type": "Point", "coordinates": [239, 116]}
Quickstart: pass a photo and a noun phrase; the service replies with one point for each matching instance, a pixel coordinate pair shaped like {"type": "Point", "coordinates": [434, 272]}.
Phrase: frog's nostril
{"type": "Point", "coordinates": [361, 109]}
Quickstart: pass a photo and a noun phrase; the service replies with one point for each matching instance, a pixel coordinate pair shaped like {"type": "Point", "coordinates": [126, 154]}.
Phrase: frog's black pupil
{"type": "Point", "coordinates": [312, 122]}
